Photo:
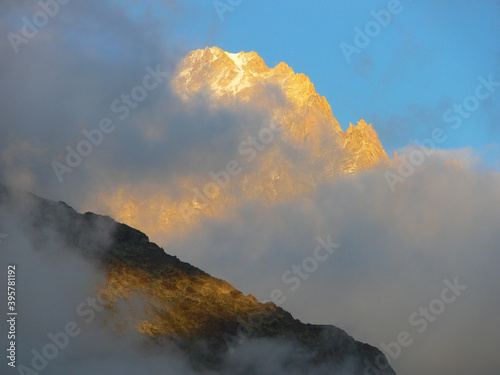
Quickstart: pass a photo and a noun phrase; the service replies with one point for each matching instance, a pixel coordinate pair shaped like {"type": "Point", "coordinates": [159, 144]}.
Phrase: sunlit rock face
{"type": "Point", "coordinates": [307, 145]}
{"type": "Point", "coordinates": [306, 116]}
{"type": "Point", "coordinates": [363, 144]}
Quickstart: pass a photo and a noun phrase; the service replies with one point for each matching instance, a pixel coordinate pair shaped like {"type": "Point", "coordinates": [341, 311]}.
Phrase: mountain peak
{"type": "Point", "coordinates": [362, 140]}
{"type": "Point", "coordinates": [236, 81]}
{"type": "Point", "coordinates": [232, 78]}
{"type": "Point", "coordinates": [362, 126]}
{"type": "Point", "coordinates": [229, 73]}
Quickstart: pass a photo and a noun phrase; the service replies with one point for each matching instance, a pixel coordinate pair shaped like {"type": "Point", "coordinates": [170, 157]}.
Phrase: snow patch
{"type": "Point", "coordinates": [237, 58]}
{"type": "Point", "coordinates": [236, 84]}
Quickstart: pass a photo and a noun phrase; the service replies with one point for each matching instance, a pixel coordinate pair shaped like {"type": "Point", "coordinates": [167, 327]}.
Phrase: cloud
{"type": "Point", "coordinates": [65, 81]}
{"type": "Point", "coordinates": [396, 251]}
{"type": "Point", "coordinates": [66, 78]}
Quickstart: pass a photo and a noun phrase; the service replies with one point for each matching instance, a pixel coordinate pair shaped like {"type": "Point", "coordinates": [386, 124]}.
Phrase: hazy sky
{"type": "Point", "coordinates": [396, 248]}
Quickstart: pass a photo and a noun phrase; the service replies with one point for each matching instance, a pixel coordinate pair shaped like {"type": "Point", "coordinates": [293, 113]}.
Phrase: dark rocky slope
{"type": "Point", "coordinates": [182, 303]}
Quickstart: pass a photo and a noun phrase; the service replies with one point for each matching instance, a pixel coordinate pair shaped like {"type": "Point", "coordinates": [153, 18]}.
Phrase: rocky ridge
{"type": "Point", "coordinates": [181, 303]}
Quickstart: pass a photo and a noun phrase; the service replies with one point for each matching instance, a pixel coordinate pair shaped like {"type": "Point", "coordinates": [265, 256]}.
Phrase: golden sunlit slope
{"type": "Point", "coordinates": [302, 145]}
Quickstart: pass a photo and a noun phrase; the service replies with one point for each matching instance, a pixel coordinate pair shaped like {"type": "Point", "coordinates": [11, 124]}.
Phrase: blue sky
{"type": "Point", "coordinates": [426, 59]}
